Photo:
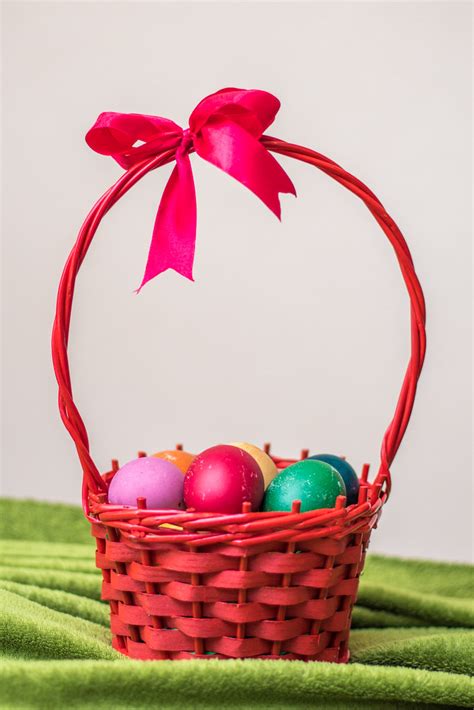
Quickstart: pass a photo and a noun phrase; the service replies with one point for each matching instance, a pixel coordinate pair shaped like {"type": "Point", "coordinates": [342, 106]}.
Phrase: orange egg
{"type": "Point", "coordinates": [181, 459]}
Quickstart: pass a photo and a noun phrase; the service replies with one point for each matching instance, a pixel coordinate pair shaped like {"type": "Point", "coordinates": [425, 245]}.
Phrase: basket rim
{"type": "Point", "coordinates": [144, 526]}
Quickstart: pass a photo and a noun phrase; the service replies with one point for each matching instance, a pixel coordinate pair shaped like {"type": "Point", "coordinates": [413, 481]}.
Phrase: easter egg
{"type": "Point", "coordinates": [181, 459]}
{"type": "Point", "coordinates": [160, 482]}
{"type": "Point", "coordinates": [267, 467]}
{"type": "Point", "coordinates": [315, 483]}
{"type": "Point", "coordinates": [349, 476]}
{"type": "Point", "coordinates": [221, 478]}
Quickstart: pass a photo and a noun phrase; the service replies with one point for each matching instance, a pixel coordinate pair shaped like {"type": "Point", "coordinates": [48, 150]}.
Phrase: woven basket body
{"type": "Point", "coordinates": [251, 585]}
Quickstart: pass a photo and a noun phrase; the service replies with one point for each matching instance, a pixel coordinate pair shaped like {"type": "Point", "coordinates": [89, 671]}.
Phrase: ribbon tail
{"type": "Point", "coordinates": [231, 148]}
{"type": "Point", "coordinates": [174, 233]}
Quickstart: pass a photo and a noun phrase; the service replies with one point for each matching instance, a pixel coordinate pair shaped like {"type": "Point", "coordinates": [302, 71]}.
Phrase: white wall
{"type": "Point", "coordinates": [297, 332]}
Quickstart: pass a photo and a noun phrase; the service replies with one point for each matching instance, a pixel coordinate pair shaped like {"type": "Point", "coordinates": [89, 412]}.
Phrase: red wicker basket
{"type": "Point", "coordinates": [250, 585]}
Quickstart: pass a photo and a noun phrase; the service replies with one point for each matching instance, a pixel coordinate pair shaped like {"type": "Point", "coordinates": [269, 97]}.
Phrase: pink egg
{"type": "Point", "coordinates": [158, 481]}
{"type": "Point", "coordinates": [221, 478]}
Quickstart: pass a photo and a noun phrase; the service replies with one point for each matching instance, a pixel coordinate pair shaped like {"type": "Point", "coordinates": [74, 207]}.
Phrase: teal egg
{"type": "Point", "coordinates": [349, 476]}
{"type": "Point", "coordinates": [315, 483]}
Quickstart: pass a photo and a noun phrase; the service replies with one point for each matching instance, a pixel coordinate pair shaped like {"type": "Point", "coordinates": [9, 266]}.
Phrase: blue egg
{"type": "Point", "coordinates": [348, 474]}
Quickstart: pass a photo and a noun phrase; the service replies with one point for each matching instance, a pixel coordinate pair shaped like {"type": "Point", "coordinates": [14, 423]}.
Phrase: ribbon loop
{"type": "Point", "coordinates": [225, 129]}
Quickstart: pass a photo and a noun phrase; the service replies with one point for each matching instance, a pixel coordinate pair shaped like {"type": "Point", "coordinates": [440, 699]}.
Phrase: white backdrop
{"type": "Point", "coordinates": [296, 333]}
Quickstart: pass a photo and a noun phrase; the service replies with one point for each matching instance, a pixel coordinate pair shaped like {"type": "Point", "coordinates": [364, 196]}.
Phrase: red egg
{"type": "Point", "coordinates": [221, 478]}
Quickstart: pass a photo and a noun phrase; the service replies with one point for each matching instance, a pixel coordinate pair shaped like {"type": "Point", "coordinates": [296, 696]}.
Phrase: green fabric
{"type": "Point", "coordinates": [411, 642]}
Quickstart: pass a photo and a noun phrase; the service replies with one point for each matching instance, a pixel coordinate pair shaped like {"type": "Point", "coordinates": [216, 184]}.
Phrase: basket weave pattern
{"type": "Point", "coordinates": [265, 585]}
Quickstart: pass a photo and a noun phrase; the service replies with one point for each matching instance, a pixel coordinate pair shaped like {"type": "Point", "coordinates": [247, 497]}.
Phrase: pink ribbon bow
{"type": "Point", "coordinates": [225, 129]}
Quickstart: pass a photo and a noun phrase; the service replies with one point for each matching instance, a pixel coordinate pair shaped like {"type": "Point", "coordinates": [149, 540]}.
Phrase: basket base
{"type": "Point", "coordinates": [140, 651]}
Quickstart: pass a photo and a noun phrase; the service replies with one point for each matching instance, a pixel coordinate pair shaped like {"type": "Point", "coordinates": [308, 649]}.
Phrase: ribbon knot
{"type": "Point", "coordinates": [186, 141]}
{"type": "Point", "coordinates": [225, 129]}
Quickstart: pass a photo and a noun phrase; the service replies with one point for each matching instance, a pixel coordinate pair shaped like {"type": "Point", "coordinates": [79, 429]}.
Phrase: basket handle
{"type": "Point", "coordinates": [69, 413]}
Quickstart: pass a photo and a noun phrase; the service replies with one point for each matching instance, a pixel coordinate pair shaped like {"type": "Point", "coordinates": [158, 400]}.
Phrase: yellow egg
{"type": "Point", "coordinates": [266, 464]}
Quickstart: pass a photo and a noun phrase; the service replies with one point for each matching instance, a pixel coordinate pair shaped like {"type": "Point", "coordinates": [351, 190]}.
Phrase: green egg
{"type": "Point", "coordinates": [315, 483]}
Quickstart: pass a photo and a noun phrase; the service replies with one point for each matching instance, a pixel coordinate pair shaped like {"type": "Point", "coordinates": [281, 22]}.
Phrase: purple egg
{"type": "Point", "coordinates": [160, 482]}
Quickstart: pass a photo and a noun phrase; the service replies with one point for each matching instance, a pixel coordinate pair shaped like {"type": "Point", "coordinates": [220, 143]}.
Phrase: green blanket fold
{"type": "Point", "coordinates": [411, 644]}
